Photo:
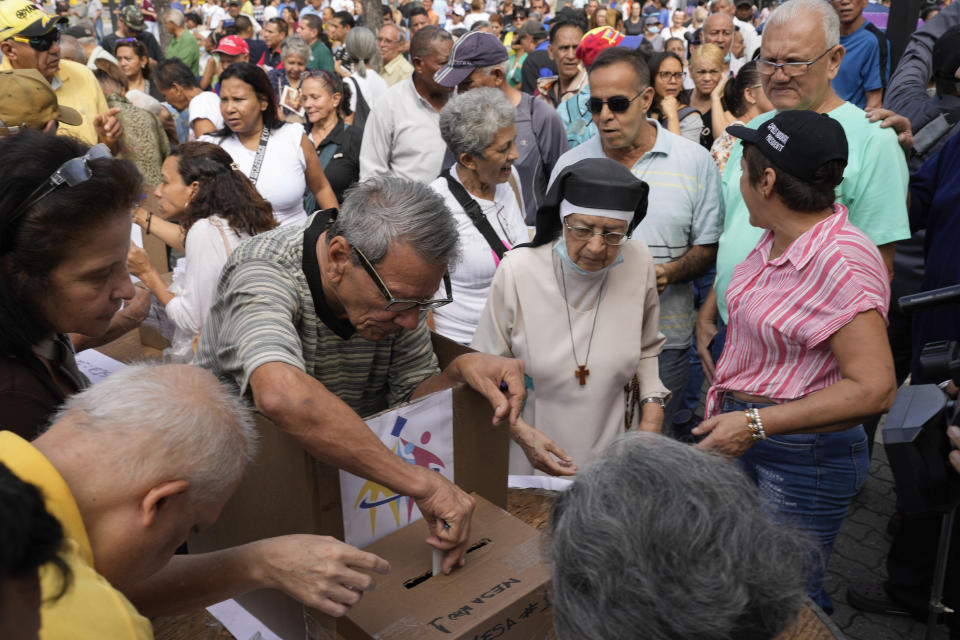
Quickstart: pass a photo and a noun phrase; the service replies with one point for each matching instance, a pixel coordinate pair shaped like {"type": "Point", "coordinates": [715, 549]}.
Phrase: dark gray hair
{"type": "Point", "coordinates": [361, 46]}
{"type": "Point", "coordinates": [295, 46]}
{"type": "Point", "coordinates": [790, 11]}
{"type": "Point", "coordinates": [381, 211]}
{"type": "Point", "coordinates": [70, 49]}
{"type": "Point", "coordinates": [658, 540]}
{"type": "Point", "coordinates": [470, 121]}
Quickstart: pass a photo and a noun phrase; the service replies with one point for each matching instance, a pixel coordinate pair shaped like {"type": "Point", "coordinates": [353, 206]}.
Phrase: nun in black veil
{"type": "Point", "coordinates": [579, 306]}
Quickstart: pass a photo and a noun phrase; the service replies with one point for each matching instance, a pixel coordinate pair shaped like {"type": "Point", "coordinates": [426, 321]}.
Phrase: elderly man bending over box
{"type": "Point", "coordinates": [325, 323]}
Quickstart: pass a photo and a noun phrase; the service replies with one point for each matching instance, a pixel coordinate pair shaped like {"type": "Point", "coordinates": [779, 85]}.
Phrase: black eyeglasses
{"type": "Point", "coordinates": [612, 238]}
{"type": "Point", "coordinates": [791, 69]}
{"type": "Point", "coordinates": [667, 76]}
{"type": "Point", "coordinates": [40, 43]}
{"type": "Point", "coordinates": [617, 104]}
{"type": "Point", "coordinates": [403, 304]}
{"type": "Point", "coordinates": [70, 173]}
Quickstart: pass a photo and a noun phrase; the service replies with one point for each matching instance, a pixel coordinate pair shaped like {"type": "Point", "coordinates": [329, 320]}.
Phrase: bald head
{"type": "Point", "coordinates": [718, 29]}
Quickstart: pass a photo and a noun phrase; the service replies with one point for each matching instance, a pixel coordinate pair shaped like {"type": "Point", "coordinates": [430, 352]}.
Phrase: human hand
{"type": "Point", "coordinates": [728, 434]}
{"type": "Point", "coordinates": [135, 309]}
{"type": "Point", "coordinates": [954, 435]}
{"type": "Point", "coordinates": [486, 373]}
{"type": "Point", "coordinates": [138, 262]}
{"type": "Point", "coordinates": [140, 216]}
{"type": "Point", "coordinates": [108, 127]}
{"type": "Point", "coordinates": [662, 279]}
{"type": "Point", "coordinates": [447, 510]}
{"type": "Point", "coordinates": [542, 452]}
{"type": "Point", "coordinates": [706, 330]}
{"type": "Point", "coordinates": [319, 571]}
{"type": "Point", "coordinates": [717, 91]}
{"type": "Point", "coordinates": [900, 124]}
{"type": "Point", "coordinates": [669, 105]}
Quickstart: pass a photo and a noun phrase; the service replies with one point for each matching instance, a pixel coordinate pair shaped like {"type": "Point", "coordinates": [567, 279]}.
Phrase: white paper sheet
{"type": "Point", "coordinates": [97, 366]}
{"type": "Point", "coordinates": [240, 622]}
{"type": "Point", "coordinates": [421, 433]}
{"type": "Point", "coordinates": [538, 482]}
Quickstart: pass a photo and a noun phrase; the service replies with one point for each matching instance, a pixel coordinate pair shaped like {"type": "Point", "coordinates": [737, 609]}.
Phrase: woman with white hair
{"type": "Point", "coordinates": [579, 307]}
{"type": "Point", "coordinates": [295, 53]}
{"type": "Point", "coordinates": [367, 85]}
{"type": "Point", "coordinates": [482, 191]}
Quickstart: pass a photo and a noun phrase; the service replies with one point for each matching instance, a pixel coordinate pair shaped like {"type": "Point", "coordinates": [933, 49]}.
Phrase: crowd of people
{"type": "Point", "coordinates": [688, 221]}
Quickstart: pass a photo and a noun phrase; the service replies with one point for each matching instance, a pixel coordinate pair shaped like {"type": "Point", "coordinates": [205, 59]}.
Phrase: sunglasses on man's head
{"type": "Point", "coordinates": [616, 104]}
{"type": "Point", "coordinates": [40, 43]}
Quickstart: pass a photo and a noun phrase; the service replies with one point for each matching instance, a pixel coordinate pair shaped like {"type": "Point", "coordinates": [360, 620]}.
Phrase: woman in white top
{"type": "Point", "coordinates": [287, 161]}
{"type": "Point", "coordinates": [203, 197]}
{"type": "Point", "coordinates": [361, 47]}
{"type": "Point", "coordinates": [478, 127]}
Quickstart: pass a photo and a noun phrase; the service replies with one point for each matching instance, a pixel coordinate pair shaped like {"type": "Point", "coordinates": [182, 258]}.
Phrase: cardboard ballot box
{"type": "Point", "coordinates": [500, 593]}
{"type": "Point", "coordinates": [286, 491]}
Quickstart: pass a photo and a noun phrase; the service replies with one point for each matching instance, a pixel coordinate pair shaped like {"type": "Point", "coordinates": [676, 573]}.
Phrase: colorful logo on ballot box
{"type": "Point", "coordinates": [373, 495]}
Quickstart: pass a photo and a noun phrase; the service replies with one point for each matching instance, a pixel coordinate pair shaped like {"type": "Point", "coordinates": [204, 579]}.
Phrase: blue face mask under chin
{"type": "Point", "coordinates": [561, 250]}
{"type": "Point", "coordinates": [726, 58]}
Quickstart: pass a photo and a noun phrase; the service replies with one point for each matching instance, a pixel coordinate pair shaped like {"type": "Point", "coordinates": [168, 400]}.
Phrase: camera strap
{"type": "Point", "coordinates": [261, 152]}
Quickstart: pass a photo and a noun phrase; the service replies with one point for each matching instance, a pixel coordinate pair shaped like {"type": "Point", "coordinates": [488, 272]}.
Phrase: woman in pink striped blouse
{"type": "Point", "coordinates": [807, 357]}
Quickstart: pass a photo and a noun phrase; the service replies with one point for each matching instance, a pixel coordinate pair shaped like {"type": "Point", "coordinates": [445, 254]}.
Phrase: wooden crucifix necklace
{"type": "Point", "coordinates": [582, 371]}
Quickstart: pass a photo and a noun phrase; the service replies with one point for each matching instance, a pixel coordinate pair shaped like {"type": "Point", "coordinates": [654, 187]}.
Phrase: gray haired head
{"type": "Point", "coordinates": [295, 46]}
{"type": "Point", "coordinates": [658, 540]}
{"type": "Point", "coordinates": [788, 12]}
{"type": "Point", "coordinates": [206, 436]}
{"type": "Point", "coordinates": [470, 121]}
{"type": "Point", "coordinates": [381, 211]}
{"type": "Point", "coordinates": [70, 49]}
{"type": "Point", "coordinates": [361, 46]}
{"type": "Point", "coordinates": [175, 16]}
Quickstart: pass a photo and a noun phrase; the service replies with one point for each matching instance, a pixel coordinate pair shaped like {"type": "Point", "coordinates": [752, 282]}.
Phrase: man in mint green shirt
{"type": "Point", "coordinates": [183, 44]}
{"type": "Point", "coordinates": [798, 60]}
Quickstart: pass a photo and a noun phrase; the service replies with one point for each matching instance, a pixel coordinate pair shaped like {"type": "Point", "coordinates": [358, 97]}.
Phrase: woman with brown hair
{"type": "Point", "coordinates": [217, 208]}
{"type": "Point", "coordinates": [134, 61]}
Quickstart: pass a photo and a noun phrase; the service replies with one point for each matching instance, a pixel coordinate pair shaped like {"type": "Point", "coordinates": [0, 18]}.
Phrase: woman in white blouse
{"type": "Point", "coordinates": [276, 156]}
{"type": "Point", "coordinates": [478, 127]}
{"type": "Point", "coordinates": [206, 198]}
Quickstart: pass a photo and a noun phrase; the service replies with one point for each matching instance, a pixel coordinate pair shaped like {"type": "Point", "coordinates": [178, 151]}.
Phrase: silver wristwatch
{"type": "Point", "coordinates": [659, 401]}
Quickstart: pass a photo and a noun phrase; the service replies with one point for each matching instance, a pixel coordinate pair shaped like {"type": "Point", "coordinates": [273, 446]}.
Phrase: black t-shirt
{"type": "Point", "coordinates": [530, 70]}
{"type": "Point", "coordinates": [706, 134]}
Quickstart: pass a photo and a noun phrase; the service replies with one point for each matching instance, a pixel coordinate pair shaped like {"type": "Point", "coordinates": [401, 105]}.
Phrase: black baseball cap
{"type": "Point", "coordinates": [797, 142]}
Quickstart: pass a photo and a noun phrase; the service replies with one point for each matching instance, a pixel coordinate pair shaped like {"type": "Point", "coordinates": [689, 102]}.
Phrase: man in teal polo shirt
{"type": "Point", "coordinates": [183, 44]}
{"type": "Point", "coordinates": [798, 60]}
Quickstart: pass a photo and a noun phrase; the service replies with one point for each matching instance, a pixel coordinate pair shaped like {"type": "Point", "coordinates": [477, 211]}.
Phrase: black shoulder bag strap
{"type": "Point", "coordinates": [261, 151]}
{"type": "Point", "coordinates": [476, 215]}
{"type": "Point", "coordinates": [884, 53]}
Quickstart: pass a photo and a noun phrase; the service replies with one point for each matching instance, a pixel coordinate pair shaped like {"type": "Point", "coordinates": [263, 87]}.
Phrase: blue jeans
{"type": "Point", "coordinates": [673, 370]}
{"type": "Point", "coordinates": [808, 481]}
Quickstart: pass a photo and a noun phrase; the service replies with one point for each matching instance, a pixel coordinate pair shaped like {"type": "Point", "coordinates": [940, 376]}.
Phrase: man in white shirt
{"type": "Point", "coordinates": [402, 134]}
{"type": "Point", "coordinates": [271, 11]}
{"type": "Point", "coordinates": [751, 40]}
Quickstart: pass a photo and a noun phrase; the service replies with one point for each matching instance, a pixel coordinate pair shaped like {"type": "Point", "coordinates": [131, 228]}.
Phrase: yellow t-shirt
{"type": "Point", "coordinates": [77, 87]}
{"type": "Point", "coordinates": [91, 608]}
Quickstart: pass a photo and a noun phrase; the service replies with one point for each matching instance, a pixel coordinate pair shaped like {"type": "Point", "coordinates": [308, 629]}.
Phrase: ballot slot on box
{"type": "Point", "coordinates": [501, 592]}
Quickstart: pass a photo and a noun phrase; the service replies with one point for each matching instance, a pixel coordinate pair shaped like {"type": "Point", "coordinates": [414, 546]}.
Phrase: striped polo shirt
{"type": "Point", "coordinates": [783, 311]}
{"type": "Point", "coordinates": [265, 312]}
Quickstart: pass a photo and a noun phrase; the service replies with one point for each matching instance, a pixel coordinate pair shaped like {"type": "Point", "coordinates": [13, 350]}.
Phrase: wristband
{"type": "Point", "coordinates": [755, 424]}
